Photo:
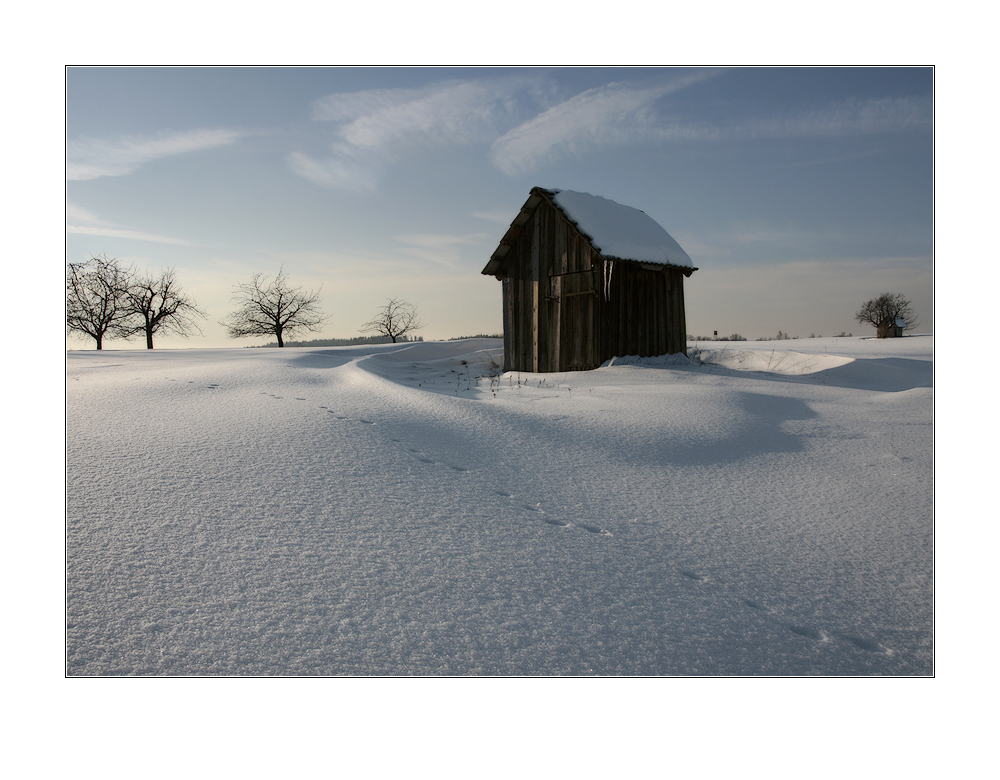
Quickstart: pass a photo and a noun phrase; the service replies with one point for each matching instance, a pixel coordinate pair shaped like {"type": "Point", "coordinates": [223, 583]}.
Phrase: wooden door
{"type": "Point", "coordinates": [577, 301]}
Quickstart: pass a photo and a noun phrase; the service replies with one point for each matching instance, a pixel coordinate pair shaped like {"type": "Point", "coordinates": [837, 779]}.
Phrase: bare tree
{"type": "Point", "coordinates": [395, 319]}
{"type": "Point", "coordinates": [273, 308]}
{"type": "Point", "coordinates": [890, 313]}
{"type": "Point", "coordinates": [156, 303]}
{"type": "Point", "coordinates": [96, 298]}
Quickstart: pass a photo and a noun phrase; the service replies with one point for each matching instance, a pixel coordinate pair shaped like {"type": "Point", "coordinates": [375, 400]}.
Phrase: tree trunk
{"type": "Point", "coordinates": [149, 339]}
{"type": "Point", "coordinates": [281, 341]}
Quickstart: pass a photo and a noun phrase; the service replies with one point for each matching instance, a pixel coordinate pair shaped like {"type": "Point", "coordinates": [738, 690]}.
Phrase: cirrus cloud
{"type": "Point", "coordinates": [117, 233]}
{"type": "Point", "coordinates": [94, 158]}
{"type": "Point", "coordinates": [526, 123]}
{"type": "Point", "coordinates": [608, 115]}
{"type": "Point", "coordinates": [376, 128]}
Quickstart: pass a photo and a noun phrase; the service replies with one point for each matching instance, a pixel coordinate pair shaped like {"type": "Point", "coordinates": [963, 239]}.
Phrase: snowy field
{"type": "Point", "coordinates": [764, 508]}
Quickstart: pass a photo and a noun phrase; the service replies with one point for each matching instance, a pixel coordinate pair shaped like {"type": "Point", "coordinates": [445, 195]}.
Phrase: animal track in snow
{"type": "Point", "coordinates": [807, 632]}
{"type": "Point", "coordinates": [560, 522]}
{"type": "Point", "coordinates": [423, 457]}
{"type": "Point", "coordinates": [557, 522]}
{"type": "Point", "coordinates": [868, 644]}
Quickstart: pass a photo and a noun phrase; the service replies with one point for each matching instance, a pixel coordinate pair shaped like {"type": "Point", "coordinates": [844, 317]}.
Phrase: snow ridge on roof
{"type": "Point", "coordinates": [621, 231]}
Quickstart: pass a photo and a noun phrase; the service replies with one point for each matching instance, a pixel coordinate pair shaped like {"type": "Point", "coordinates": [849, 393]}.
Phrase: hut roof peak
{"type": "Point", "coordinates": [619, 231]}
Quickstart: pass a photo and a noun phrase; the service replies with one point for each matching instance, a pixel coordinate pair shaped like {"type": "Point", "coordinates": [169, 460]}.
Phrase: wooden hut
{"type": "Point", "coordinates": [586, 279]}
{"type": "Point", "coordinates": [891, 328]}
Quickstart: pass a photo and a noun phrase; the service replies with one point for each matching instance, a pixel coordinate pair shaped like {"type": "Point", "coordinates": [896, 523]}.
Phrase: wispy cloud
{"type": "Point", "coordinates": [524, 123]}
{"type": "Point", "coordinates": [513, 118]}
{"type": "Point", "coordinates": [837, 158]}
{"type": "Point", "coordinates": [81, 214]}
{"type": "Point", "coordinates": [613, 114]}
{"type": "Point", "coordinates": [852, 117]}
{"type": "Point", "coordinates": [374, 128]}
{"type": "Point", "coordinates": [500, 216]}
{"type": "Point", "coordinates": [618, 114]}
{"type": "Point", "coordinates": [438, 248]}
{"type": "Point", "coordinates": [846, 118]}
{"type": "Point", "coordinates": [101, 227]}
{"type": "Point", "coordinates": [454, 112]}
{"type": "Point", "coordinates": [344, 168]}
{"type": "Point", "coordinates": [117, 233]}
{"type": "Point", "coordinates": [94, 158]}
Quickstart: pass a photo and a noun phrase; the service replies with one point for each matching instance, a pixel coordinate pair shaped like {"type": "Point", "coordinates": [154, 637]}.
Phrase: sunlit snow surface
{"type": "Point", "coordinates": [396, 510]}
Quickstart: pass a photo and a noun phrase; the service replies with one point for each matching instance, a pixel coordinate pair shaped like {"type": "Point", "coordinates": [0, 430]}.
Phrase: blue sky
{"type": "Point", "coordinates": [798, 192]}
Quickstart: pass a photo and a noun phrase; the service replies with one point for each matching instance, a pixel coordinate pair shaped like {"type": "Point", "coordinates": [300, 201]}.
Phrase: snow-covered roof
{"type": "Point", "coordinates": [621, 231]}
{"type": "Point", "coordinates": [900, 322]}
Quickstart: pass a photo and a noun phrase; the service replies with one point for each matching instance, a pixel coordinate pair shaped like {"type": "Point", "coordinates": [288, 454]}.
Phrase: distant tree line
{"type": "Point", "coordinates": [356, 340]}
{"type": "Point", "coordinates": [732, 337]}
{"type": "Point", "coordinates": [107, 299]}
{"type": "Point", "coordinates": [782, 336]}
{"type": "Point", "coordinates": [891, 314]}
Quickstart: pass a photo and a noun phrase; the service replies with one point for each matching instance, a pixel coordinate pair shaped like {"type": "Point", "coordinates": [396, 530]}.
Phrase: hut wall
{"type": "Point", "coordinates": [642, 311]}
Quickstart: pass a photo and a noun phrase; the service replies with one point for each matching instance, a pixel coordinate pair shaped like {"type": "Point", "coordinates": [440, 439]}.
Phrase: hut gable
{"type": "Point", "coordinates": [586, 279]}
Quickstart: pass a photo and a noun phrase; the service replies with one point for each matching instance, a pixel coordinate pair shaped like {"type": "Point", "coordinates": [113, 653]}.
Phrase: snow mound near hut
{"type": "Point", "coordinates": [772, 362]}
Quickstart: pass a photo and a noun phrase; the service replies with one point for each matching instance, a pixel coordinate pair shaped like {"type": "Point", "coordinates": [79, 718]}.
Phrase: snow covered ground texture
{"type": "Point", "coordinates": [764, 508]}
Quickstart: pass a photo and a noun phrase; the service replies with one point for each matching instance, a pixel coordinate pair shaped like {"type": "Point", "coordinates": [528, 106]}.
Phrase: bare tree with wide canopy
{"type": "Point", "coordinates": [891, 314]}
{"type": "Point", "coordinates": [156, 303]}
{"type": "Point", "coordinates": [395, 319]}
{"type": "Point", "coordinates": [96, 298]}
{"type": "Point", "coordinates": [267, 307]}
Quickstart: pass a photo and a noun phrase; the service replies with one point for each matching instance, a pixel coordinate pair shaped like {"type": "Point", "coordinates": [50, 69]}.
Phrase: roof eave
{"type": "Point", "coordinates": [687, 270]}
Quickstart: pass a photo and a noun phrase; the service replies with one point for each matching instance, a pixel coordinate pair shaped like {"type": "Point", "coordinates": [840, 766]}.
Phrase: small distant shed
{"type": "Point", "coordinates": [586, 279]}
{"type": "Point", "coordinates": [891, 328]}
